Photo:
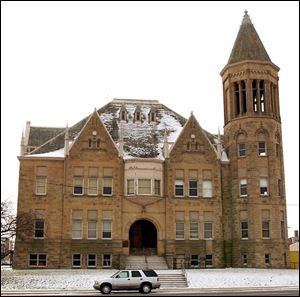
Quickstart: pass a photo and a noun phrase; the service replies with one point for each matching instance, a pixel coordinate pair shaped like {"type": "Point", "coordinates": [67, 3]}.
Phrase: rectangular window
{"type": "Point", "coordinates": [244, 259]}
{"type": "Point", "coordinates": [92, 216]}
{"type": "Point", "coordinates": [208, 261]}
{"type": "Point", "coordinates": [106, 260]}
{"type": "Point", "coordinates": [92, 230]}
{"type": "Point", "coordinates": [193, 188]}
{"type": "Point", "coordinates": [244, 230]}
{"type": "Point", "coordinates": [106, 230]}
{"type": "Point", "coordinates": [208, 230]}
{"type": "Point", "coordinates": [179, 188]}
{"type": "Point", "coordinates": [279, 187]}
{"type": "Point", "coordinates": [78, 185]}
{"type": "Point", "coordinates": [207, 184]}
{"type": "Point", "coordinates": [194, 230]}
{"type": "Point", "coordinates": [37, 260]}
{"type": "Point", "coordinates": [241, 149]}
{"type": "Point", "coordinates": [262, 149]}
{"type": "Point", "coordinates": [41, 182]}
{"type": "Point", "coordinates": [91, 260]}
{"type": "Point", "coordinates": [39, 226]}
{"type": "Point", "coordinates": [263, 186]}
{"type": "Point", "coordinates": [277, 148]}
{"type": "Point", "coordinates": [193, 183]}
{"type": "Point", "coordinates": [77, 224]}
{"type": "Point", "coordinates": [282, 230]}
{"type": "Point", "coordinates": [179, 230]}
{"type": "Point", "coordinates": [267, 259]}
{"type": "Point", "coordinates": [179, 183]}
{"type": "Point", "coordinates": [157, 187]}
{"type": "Point", "coordinates": [76, 260]}
{"type": "Point", "coordinates": [194, 261]}
{"type": "Point", "coordinates": [93, 181]}
{"type": "Point", "coordinates": [144, 186]}
{"type": "Point", "coordinates": [265, 229]}
{"type": "Point", "coordinates": [243, 187]}
{"type": "Point", "coordinates": [130, 187]}
{"type": "Point", "coordinates": [107, 181]}
{"type": "Point", "coordinates": [207, 189]}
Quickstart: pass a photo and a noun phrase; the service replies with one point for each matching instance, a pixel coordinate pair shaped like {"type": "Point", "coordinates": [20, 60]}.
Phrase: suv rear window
{"type": "Point", "coordinates": [150, 273]}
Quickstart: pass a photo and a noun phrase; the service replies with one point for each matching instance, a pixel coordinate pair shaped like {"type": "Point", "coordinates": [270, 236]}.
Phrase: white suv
{"type": "Point", "coordinates": [142, 280]}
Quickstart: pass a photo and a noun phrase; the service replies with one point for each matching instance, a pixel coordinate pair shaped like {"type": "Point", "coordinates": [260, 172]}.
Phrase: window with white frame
{"type": "Point", "coordinates": [262, 148]}
{"type": "Point", "coordinates": [265, 229]}
{"type": "Point", "coordinates": [208, 260]}
{"type": "Point", "coordinates": [179, 225]}
{"type": "Point", "coordinates": [263, 184]}
{"type": "Point", "coordinates": [39, 228]}
{"type": "Point", "coordinates": [77, 224]}
{"type": "Point", "coordinates": [144, 186]}
{"type": "Point", "coordinates": [193, 183]}
{"type": "Point", "coordinates": [78, 181]}
{"type": "Point", "coordinates": [91, 260]}
{"type": "Point", "coordinates": [107, 224]}
{"type": "Point", "coordinates": [244, 229]}
{"type": "Point", "coordinates": [41, 180]}
{"type": "Point", "coordinates": [92, 224]}
{"type": "Point", "coordinates": [194, 226]}
{"type": "Point", "coordinates": [76, 260]}
{"type": "Point", "coordinates": [107, 189]}
{"type": "Point", "coordinates": [157, 187]}
{"type": "Point", "coordinates": [106, 229]}
{"type": "Point", "coordinates": [208, 230]}
{"type": "Point", "coordinates": [194, 260]}
{"type": "Point", "coordinates": [38, 260]}
{"type": "Point", "coordinates": [243, 187]}
{"type": "Point", "coordinates": [207, 184]}
{"type": "Point", "coordinates": [93, 181]}
{"type": "Point", "coordinates": [130, 187]}
{"type": "Point", "coordinates": [106, 260]}
{"type": "Point", "coordinates": [179, 183]}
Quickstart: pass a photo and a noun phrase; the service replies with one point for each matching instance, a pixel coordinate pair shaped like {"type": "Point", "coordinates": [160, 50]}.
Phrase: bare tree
{"type": "Point", "coordinates": [11, 223]}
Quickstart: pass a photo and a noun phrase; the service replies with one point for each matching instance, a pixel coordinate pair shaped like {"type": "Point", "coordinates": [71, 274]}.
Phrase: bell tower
{"type": "Point", "coordinates": [253, 142]}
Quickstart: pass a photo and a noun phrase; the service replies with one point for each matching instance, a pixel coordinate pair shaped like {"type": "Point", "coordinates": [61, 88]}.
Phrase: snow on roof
{"type": "Point", "coordinates": [141, 139]}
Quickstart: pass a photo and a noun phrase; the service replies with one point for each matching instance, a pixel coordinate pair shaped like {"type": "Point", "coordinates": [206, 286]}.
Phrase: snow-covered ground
{"type": "Point", "coordinates": [208, 278]}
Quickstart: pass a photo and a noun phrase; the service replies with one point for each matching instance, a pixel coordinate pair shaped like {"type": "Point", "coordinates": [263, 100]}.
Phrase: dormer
{"type": "Point", "coordinates": [152, 116]}
{"type": "Point", "coordinates": [138, 115]}
{"type": "Point", "coordinates": [123, 114]}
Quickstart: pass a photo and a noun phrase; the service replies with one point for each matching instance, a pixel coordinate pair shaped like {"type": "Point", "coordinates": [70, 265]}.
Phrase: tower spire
{"type": "Point", "coordinates": [248, 45]}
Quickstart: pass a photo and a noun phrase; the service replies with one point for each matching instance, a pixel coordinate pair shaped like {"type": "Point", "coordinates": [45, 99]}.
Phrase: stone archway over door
{"type": "Point", "coordinates": [142, 237]}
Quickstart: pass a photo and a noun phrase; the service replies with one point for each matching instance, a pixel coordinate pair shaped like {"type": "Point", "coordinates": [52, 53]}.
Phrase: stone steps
{"type": "Point", "coordinates": [145, 262]}
{"type": "Point", "coordinates": [172, 280]}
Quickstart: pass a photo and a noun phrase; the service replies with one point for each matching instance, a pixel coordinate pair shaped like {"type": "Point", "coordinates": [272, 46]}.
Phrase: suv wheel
{"type": "Point", "coordinates": [145, 288]}
{"type": "Point", "coordinates": [105, 289]}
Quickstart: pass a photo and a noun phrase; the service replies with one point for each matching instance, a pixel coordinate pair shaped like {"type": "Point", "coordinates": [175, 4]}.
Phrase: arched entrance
{"type": "Point", "coordinates": [142, 238]}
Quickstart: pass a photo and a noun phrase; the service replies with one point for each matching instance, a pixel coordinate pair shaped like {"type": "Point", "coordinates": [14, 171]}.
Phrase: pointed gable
{"type": "Point", "coordinates": [192, 140]}
{"type": "Point", "coordinates": [248, 45]}
{"type": "Point", "coordinates": [93, 138]}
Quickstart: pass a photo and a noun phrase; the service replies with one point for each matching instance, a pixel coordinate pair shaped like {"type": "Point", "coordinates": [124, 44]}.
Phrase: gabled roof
{"type": "Point", "coordinates": [143, 139]}
{"type": "Point", "coordinates": [248, 45]}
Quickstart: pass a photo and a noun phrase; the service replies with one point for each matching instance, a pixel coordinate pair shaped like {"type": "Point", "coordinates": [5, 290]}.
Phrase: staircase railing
{"type": "Point", "coordinates": [184, 271]}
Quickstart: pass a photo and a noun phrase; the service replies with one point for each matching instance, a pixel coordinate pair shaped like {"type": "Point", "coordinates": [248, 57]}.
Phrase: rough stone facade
{"type": "Point", "coordinates": [135, 177]}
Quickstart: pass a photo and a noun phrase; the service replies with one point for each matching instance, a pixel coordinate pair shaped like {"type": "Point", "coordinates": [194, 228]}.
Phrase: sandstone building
{"type": "Point", "coordinates": [135, 177]}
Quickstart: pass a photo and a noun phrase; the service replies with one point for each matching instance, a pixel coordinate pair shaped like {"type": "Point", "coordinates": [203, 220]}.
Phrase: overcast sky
{"type": "Point", "coordinates": [60, 60]}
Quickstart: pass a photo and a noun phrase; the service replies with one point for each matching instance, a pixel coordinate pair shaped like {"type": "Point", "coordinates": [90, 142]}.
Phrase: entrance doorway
{"type": "Point", "coordinates": [142, 238]}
